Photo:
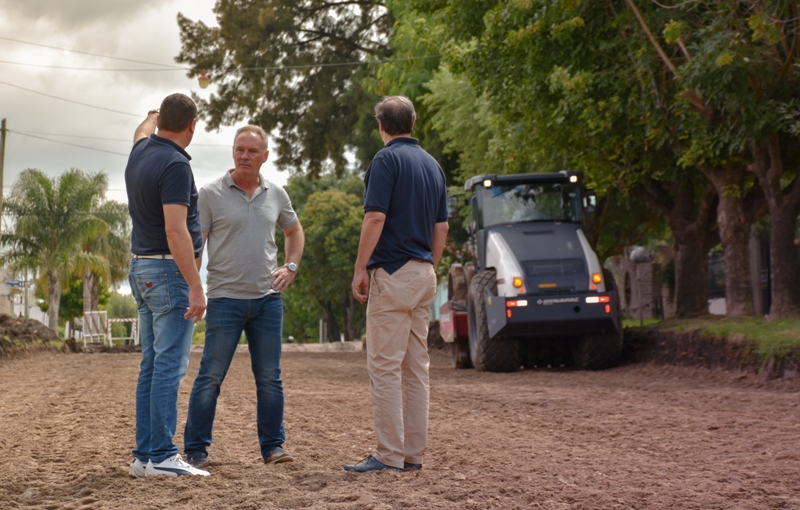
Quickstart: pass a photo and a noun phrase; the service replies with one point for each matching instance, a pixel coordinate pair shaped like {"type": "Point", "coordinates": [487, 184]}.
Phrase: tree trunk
{"type": "Point", "coordinates": [348, 318]}
{"type": "Point", "coordinates": [784, 206]}
{"type": "Point", "coordinates": [330, 319]}
{"type": "Point", "coordinates": [87, 291]}
{"type": "Point", "coordinates": [690, 219]}
{"type": "Point", "coordinates": [691, 276]}
{"type": "Point", "coordinates": [95, 292]}
{"type": "Point", "coordinates": [734, 233]}
{"type": "Point", "coordinates": [362, 323]}
{"type": "Point", "coordinates": [55, 299]}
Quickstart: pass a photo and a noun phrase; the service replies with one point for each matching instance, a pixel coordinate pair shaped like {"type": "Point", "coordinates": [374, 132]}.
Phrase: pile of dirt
{"type": "Point", "coordinates": [698, 348]}
{"type": "Point", "coordinates": [21, 336]}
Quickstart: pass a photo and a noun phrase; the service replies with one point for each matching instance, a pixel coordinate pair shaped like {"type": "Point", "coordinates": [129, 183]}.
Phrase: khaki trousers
{"type": "Point", "coordinates": [397, 360]}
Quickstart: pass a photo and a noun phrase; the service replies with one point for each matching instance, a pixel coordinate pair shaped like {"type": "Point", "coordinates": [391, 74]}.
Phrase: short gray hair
{"type": "Point", "coordinates": [396, 114]}
{"type": "Point", "coordinates": [251, 128]}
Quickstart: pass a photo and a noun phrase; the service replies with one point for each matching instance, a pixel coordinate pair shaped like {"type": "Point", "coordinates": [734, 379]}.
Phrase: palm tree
{"type": "Point", "coordinates": [52, 217]}
{"type": "Point", "coordinates": [113, 247]}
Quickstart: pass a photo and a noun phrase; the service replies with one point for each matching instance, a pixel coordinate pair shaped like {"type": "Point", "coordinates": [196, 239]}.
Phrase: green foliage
{"type": "Point", "coordinates": [121, 306]}
{"type": "Point", "coordinates": [330, 211]}
{"type": "Point", "coordinates": [199, 335]}
{"type": "Point", "coordinates": [274, 63]}
{"type": "Point", "coordinates": [674, 30]}
{"type": "Point", "coordinates": [71, 303]}
{"type": "Point", "coordinates": [537, 85]}
{"type": "Point", "coordinates": [52, 217]}
{"type": "Point", "coordinates": [111, 250]}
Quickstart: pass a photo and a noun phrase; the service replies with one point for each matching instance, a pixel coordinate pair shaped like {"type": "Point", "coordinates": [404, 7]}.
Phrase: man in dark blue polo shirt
{"type": "Point", "coordinates": [164, 276]}
{"type": "Point", "coordinates": [402, 238]}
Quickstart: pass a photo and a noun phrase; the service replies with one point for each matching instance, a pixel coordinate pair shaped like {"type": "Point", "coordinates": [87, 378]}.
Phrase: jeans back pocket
{"type": "Point", "coordinates": [154, 290]}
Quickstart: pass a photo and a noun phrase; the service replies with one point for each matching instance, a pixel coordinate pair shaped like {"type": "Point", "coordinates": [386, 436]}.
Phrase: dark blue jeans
{"type": "Point", "coordinates": [162, 295]}
{"type": "Point", "coordinates": [262, 321]}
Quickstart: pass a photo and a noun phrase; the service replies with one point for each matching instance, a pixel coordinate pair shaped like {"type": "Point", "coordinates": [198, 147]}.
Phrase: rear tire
{"type": "Point", "coordinates": [595, 352]}
{"type": "Point", "coordinates": [469, 271]}
{"type": "Point", "coordinates": [488, 355]}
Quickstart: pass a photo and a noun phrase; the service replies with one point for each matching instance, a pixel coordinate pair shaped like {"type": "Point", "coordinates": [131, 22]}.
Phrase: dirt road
{"type": "Point", "coordinates": [638, 436]}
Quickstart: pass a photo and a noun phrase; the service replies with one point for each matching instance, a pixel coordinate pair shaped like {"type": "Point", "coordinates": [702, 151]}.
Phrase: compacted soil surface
{"type": "Point", "coordinates": [636, 436]}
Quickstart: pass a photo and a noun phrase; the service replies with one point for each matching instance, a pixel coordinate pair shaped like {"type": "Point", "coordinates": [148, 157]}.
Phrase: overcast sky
{"type": "Point", "coordinates": [145, 30]}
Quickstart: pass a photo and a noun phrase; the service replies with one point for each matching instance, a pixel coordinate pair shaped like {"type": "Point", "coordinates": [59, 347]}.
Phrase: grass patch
{"type": "Point", "coordinates": [635, 323]}
{"type": "Point", "coordinates": [769, 339]}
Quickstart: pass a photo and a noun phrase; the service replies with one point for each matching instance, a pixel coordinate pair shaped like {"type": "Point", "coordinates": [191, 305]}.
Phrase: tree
{"type": "Point", "coordinates": [112, 248]}
{"type": "Point", "coordinates": [121, 306]}
{"type": "Point", "coordinates": [643, 97]}
{"type": "Point", "coordinates": [532, 86]}
{"type": "Point", "coordinates": [295, 69]}
{"type": "Point", "coordinates": [332, 223]}
{"type": "Point", "coordinates": [52, 217]}
{"type": "Point", "coordinates": [738, 68]}
{"type": "Point", "coordinates": [330, 210]}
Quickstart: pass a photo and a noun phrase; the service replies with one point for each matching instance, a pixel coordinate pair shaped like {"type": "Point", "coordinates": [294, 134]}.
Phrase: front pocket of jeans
{"type": "Point", "coordinates": [154, 289]}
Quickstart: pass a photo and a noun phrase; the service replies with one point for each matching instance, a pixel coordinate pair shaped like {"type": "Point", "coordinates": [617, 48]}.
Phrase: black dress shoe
{"type": "Point", "coordinates": [370, 464]}
{"type": "Point", "coordinates": [407, 466]}
{"type": "Point", "coordinates": [197, 459]}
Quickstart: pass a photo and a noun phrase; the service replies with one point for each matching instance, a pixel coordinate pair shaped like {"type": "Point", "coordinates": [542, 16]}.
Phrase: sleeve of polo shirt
{"type": "Point", "coordinates": [380, 184]}
{"type": "Point", "coordinates": [441, 216]}
{"type": "Point", "coordinates": [286, 216]}
{"type": "Point", "coordinates": [205, 210]}
{"type": "Point", "coordinates": [176, 184]}
{"type": "Point", "coordinates": [138, 142]}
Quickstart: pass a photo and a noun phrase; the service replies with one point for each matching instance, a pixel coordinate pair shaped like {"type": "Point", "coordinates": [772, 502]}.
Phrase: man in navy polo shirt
{"type": "Point", "coordinates": [402, 238]}
{"type": "Point", "coordinates": [167, 245]}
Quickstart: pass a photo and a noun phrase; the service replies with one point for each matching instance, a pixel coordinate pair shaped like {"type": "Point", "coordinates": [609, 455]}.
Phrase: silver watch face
{"type": "Point", "coordinates": [292, 266]}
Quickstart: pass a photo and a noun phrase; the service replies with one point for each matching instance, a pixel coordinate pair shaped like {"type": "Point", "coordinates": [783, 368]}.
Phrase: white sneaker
{"type": "Point", "coordinates": [137, 469]}
{"type": "Point", "coordinates": [173, 466]}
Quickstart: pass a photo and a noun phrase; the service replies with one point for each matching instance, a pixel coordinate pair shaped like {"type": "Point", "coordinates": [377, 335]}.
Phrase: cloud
{"type": "Point", "coordinates": [70, 15]}
{"type": "Point", "coordinates": [143, 30]}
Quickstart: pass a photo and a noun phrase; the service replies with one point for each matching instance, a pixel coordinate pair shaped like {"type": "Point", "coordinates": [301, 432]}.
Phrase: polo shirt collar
{"type": "Point", "coordinates": [403, 139]}
{"type": "Point", "coordinates": [164, 141]}
{"type": "Point", "coordinates": [262, 183]}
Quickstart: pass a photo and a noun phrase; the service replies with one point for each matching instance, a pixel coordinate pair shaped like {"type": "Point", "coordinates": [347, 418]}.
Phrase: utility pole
{"type": "Point", "coordinates": [2, 166]}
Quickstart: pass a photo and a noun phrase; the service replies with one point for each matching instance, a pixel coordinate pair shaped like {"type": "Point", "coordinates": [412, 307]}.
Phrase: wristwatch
{"type": "Point", "coordinates": [292, 266]}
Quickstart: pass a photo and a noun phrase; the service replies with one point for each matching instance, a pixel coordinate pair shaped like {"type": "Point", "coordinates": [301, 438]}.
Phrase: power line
{"type": "Point", "coordinates": [70, 100]}
{"type": "Point", "coordinates": [127, 140]}
{"type": "Point", "coordinates": [70, 144]}
{"type": "Point", "coordinates": [45, 66]}
{"type": "Point", "coordinates": [197, 167]}
{"type": "Point", "coordinates": [91, 54]}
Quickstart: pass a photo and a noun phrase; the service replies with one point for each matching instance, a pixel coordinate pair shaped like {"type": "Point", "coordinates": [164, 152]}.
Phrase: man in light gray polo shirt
{"type": "Point", "coordinates": [238, 215]}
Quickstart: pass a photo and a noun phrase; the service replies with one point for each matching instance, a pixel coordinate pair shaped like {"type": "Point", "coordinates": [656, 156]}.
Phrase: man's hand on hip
{"type": "Point", "coordinates": [283, 277]}
{"type": "Point", "coordinates": [197, 304]}
{"type": "Point", "coordinates": [360, 285]}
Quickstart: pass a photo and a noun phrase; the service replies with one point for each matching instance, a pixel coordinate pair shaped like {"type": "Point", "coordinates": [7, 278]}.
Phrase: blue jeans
{"type": "Point", "coordinates": [162, 295]}
{"type": "Point", "coordinates": [262, 321]}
